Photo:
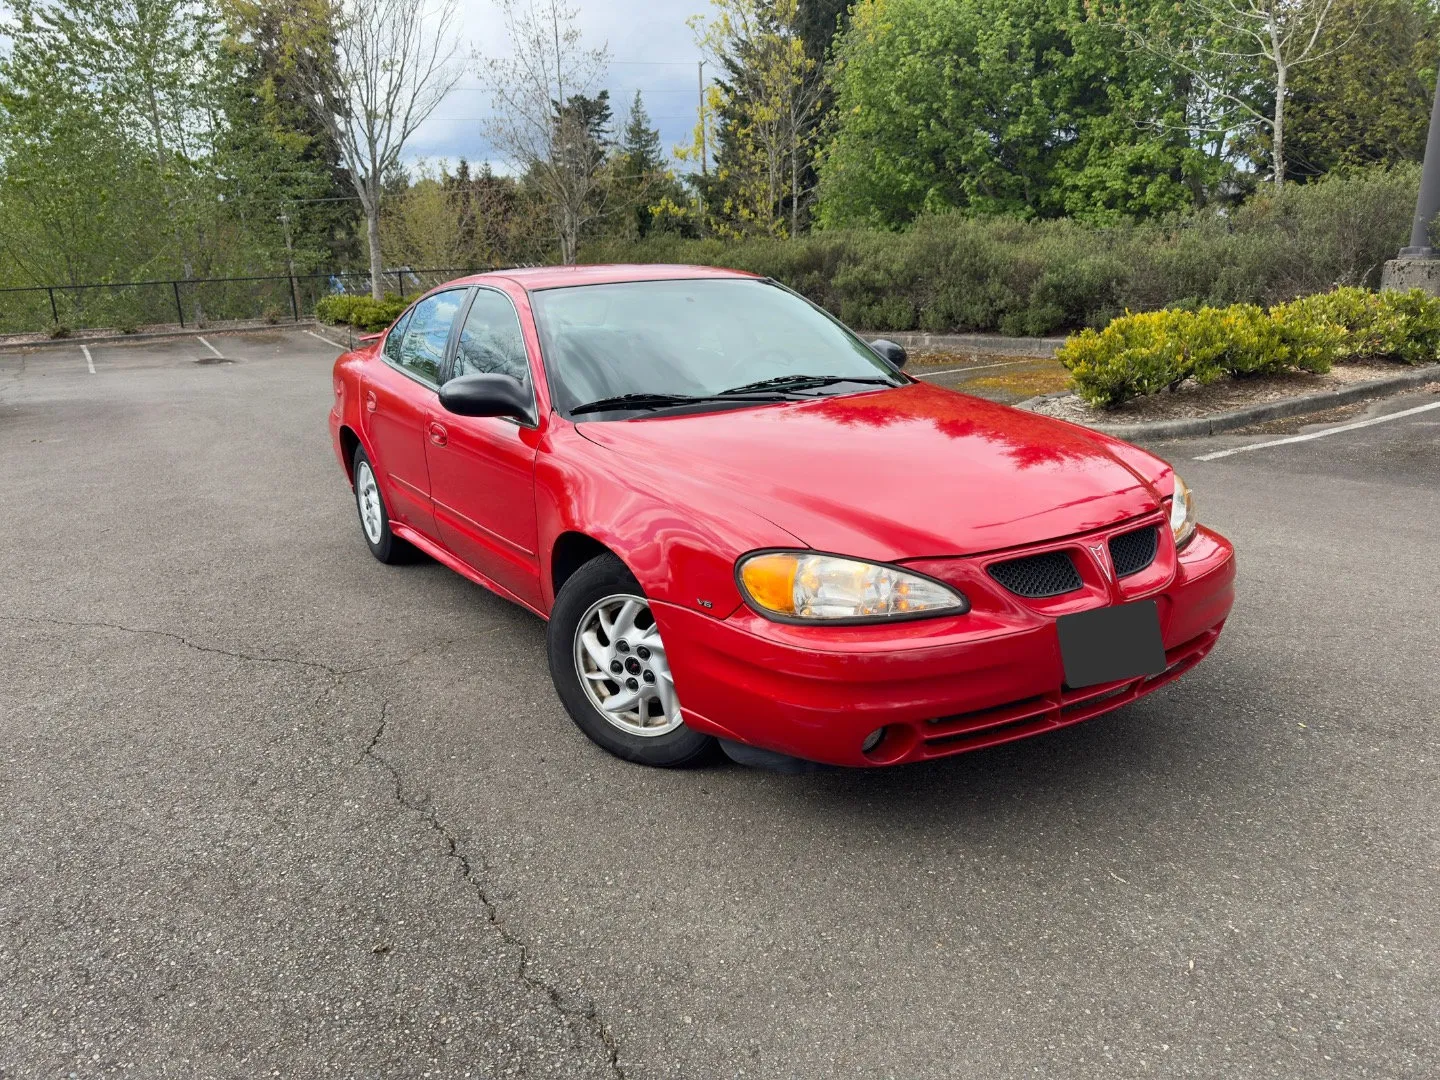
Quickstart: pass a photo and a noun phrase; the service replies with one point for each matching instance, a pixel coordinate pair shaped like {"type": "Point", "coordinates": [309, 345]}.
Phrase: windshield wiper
{"type": "Point", "coordinates": [664, 401]}
{"type": "Point", "coordinates": [806, 382]}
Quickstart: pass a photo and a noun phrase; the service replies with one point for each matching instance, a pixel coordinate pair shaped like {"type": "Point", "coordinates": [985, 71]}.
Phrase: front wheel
{"type": "Point", "coordinates": [611, 669]}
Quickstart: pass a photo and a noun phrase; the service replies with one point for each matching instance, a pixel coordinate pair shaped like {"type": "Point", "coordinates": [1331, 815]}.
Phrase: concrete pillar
{"type": "Point", "coordinates": [1418, 266]}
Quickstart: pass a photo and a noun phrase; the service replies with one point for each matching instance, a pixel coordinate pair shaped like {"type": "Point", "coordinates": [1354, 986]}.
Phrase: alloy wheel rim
{"type": "Point", "coordinates": [367, 494]}
{"type": "Point", "coordinates": [622, 665]}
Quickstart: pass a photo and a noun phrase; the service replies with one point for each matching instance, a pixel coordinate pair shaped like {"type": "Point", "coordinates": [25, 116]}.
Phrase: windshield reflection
{"type": "Point", "coordinates": [692, 338]}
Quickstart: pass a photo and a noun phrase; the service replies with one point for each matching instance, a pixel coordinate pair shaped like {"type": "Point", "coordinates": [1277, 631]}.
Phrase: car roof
{"type": "Point", "coordinates": [553, 277]}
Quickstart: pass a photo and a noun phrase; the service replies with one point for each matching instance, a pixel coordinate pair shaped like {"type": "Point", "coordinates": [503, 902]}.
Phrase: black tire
{"type": "Point", "coordinates": [602, 577]}
{"type": "Point", "coordinates": [386, 546]}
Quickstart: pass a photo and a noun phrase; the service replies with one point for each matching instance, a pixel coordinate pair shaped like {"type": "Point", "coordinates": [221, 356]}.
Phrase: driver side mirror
{"type": "Point", "coordinates": [888, 351]}
{"type": "Point", "coordinates": [486, 395]}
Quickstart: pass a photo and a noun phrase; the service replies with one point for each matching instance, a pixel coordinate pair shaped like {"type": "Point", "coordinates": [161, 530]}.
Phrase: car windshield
{"type": "Point", "coordinates": [694, 338]}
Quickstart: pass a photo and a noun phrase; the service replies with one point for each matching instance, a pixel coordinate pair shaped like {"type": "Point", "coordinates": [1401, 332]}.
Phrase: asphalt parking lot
{"type": "Point", "coordinates": [274, 809]}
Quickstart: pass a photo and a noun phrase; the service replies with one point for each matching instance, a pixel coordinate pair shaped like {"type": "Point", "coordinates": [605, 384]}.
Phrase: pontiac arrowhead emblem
{"type": "Point", "coordinates": [1102, 560]}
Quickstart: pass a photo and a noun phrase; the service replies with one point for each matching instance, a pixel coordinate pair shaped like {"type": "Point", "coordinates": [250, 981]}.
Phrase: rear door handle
{"type": "Point", "coordinates": [438, 435]}
{"type": "Point", "coordinates": [369, 400]}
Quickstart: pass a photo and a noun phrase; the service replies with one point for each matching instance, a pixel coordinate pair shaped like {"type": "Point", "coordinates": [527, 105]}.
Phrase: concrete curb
{"type": "Point", "coordinates": [157, 335]}
{"type": "Point", "coordinates": [918, 341]}
{"type": "Point", "coordinates": [1258, 414]}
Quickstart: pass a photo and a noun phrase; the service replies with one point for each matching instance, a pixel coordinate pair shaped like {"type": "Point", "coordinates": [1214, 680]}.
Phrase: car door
{"type": "Point", "coordinates": [399, 395]}
{"type": "Point", "coordinates": [482, 468]}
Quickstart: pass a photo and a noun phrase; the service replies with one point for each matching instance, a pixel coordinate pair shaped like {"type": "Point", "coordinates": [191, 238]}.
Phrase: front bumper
{"type": "Point", "coordinates": [938, 686]}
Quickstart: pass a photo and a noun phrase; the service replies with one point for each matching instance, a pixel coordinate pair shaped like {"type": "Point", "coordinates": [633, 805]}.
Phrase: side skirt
{"type": "Point", "coordinates": [464, 569]}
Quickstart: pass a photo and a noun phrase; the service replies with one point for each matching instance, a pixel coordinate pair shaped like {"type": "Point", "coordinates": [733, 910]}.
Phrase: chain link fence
{"type": "Point", "coordinates": [196, 302]}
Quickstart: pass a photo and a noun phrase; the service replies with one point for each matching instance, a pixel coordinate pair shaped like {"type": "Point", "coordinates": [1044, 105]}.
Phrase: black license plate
{"type": "Point", "coordinates": [1111, 643]}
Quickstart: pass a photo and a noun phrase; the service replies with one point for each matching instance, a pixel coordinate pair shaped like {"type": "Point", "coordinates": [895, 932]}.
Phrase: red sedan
{"type": "Point", "coordinates": [744, 523]}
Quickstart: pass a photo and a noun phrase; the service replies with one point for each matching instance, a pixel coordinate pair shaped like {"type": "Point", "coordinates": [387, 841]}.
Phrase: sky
{"type": "Point", "coordinates": [651, 49]}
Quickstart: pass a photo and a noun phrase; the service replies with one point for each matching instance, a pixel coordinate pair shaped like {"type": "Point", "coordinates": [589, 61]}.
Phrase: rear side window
{"type": "Point", "coordinates": [491, 342]}
{"type": "Point", "coordinates": [395, 337]}
{"type": "Point", "coordinates": [422, 352]}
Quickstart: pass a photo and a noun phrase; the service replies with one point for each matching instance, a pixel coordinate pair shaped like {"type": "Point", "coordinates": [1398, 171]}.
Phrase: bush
{"type": "Point", "coordinates": [361, 312]}
{"type": "Point", "coordinates": [1142, 354]}
{"type": "Point", "coordinates": [1133, 356]}
{"type": "Point", "coordinates": [1401, 326]}
{"type": "Point", "coordinates": [950, 272]}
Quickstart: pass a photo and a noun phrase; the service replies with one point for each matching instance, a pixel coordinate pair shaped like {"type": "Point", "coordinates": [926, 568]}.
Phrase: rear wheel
{"type": "Point", "coordinates": [374, 517]}
{"type": "Point", "coordinates": [611, 669]}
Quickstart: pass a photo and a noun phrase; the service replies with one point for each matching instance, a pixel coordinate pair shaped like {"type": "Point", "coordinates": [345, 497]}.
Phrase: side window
{"type": "Point", "coordinates": [491, 342]}
{"type": "Point", "coordinates": [395, 337]}
{"type": "Point", "coordinates": [423, 350]}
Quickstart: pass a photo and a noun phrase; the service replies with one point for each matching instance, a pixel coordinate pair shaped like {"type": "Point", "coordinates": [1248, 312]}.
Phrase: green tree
{"type": "Point", "coordinates": [273, 157]}
{"type": "Point", "coordinates": [73, 186]}
{"type": "Point", "coordinates": [769, 105]}
{"type": "Point", "coordinates": [819, 21]}
{"type": "Point", "coordinates": [1369, 100]}
{"type": "Point", "coordinates": [1244, 54]}
{"type": "Point", "coordinates": [109, 127]}
{"type": "Point", "coordinates": [1002, 106]}
{"type": "Point", "coordinates": [642, 181]}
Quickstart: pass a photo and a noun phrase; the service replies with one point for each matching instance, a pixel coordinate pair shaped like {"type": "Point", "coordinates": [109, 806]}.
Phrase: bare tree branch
{"type": "Point", "coordinates": [535, 128]}
{"type": "Point", "coordinates": [379, 69]}
{"type": "Point", "coordinates": [1261, 41]}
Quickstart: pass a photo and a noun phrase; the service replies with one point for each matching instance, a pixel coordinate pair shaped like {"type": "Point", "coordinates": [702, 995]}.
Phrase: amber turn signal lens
{"type": "Point", "coordinates": [770, 581]}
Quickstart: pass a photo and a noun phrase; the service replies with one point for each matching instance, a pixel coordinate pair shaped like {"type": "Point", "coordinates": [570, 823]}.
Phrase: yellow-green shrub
{"type": "Point", "coordinates": [1133, 356]}
{"type": "Point", "coordinates": [1388, 325]}
{"type": "Point", "coordinates": [1142, 354]}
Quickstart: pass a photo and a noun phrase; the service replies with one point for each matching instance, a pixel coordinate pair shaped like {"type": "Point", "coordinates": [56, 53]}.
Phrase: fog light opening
{"type": "Point", "coordinates": [872, 740]}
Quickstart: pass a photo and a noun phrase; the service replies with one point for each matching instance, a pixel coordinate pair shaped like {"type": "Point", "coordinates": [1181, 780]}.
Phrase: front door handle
{"type": "Point", "coordinates": [438, 435]}
{"type": "Point", "coordinates": [369, 400]}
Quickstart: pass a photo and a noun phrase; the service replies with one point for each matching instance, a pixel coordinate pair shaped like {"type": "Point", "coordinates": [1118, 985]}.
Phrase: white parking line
{"type": "Point", "coordinates": [89, 362]}
{"type": "Point", "coordinates": [212, 348]}
{"type": "Point", "coordinates": [976, 367]}
{"type": "Point", "coordinates": [325, 339]}
{"type": "Point", "coordinates": [1320, 434]}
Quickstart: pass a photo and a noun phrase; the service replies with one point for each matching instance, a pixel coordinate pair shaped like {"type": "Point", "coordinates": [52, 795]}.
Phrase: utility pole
{"type": "Point", "coordinates": [704, 147]}
{"type": "Point", "coordinates": [704, 135]}
{"type": "Point", "coordinates": [1417, 265]}
{"type": "Point", "coordinates": [290, 266]}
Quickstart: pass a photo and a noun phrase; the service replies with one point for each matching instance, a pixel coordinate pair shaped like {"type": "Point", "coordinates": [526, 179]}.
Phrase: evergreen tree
{"type": "Point", "coordinates": [274, 157]}
{"type": "Point", "coordinates": [819, 23]}
{"type": "Point", "coordinates": [640, 173]}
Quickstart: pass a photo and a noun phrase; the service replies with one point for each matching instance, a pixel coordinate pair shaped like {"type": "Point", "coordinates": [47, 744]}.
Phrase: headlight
{"type": "Point", "coordinates": [804, 586]}
{"type": "Point", "coordinates": [1182, 513]}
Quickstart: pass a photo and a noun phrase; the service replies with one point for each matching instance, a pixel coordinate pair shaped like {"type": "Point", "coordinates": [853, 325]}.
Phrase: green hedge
{"type": "Point", "coordinates": [361, 312]}
{"type": "Point", "coordinates": [954, 273]}
{"type": "Point", "coordinates": [1145, 353]}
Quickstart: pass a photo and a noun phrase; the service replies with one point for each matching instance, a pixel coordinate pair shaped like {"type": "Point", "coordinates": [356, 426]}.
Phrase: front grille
{"type": "Point", "coordinates": [1133, 551]}
{"type": "Point", "coordinates": [1035, 576]}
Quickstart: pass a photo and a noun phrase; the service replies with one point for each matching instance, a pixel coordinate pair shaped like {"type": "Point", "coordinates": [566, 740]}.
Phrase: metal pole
{"type": "Point", "coordinates": [54, 314]}
{"type": "Point", "coordinates": [1428, 204]}
{"type": "Point", "coordinates": [290, 266]}
{"type": "Point", "coordinates": [178, 309]}
{"type": "Point", "coordinates": [704, 140]}
{"type": "Point", "coordinates": [400, 277]}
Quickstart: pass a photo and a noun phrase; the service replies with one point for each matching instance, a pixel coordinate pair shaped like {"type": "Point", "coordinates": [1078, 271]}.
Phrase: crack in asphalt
{"type": "Point", "coordinates": [85, 624]}
{"type": "Point", "coordinates": [588, 1011]}
{"type": "Point", "coordinates": [313, 665]}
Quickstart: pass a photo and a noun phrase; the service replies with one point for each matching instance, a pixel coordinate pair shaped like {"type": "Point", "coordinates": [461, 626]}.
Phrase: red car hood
{"type": "Point", "coordinates": [895, 474]}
